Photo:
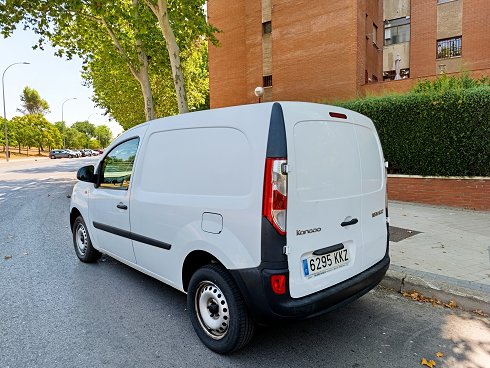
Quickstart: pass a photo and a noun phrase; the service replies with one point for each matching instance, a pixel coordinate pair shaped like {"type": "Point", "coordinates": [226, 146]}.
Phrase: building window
{"type": "Point", "coordinates": [266, 27]}
{"type": "Point", "coordinates": [391, 74]}
{"type": "Point", "coordinates": [397, 31]}
{"type": "Point", "coordinates": [375, 34]}
{"type": "Point", "coordinates": [444, 1]}
{"type": "Point", "coordinates": [448, 48]}
{"type": "Point", "coordinates": [267, 81]}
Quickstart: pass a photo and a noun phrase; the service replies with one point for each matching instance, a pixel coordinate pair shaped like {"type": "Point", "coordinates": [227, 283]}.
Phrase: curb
{"type": "Point", "coordinates": [468, 295]}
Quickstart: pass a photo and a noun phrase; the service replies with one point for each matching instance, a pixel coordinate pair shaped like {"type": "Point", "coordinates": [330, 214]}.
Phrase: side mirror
{"type": "Point", "coordinates": [87, 173]}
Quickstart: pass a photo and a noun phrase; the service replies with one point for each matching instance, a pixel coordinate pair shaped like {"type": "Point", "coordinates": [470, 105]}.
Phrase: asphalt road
{"type": "Point", "coordinates": [58, 312]}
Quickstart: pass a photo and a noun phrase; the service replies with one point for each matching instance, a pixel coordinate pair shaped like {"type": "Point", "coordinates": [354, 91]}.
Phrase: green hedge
{"type": "Point", "coordinates": [440, 134]}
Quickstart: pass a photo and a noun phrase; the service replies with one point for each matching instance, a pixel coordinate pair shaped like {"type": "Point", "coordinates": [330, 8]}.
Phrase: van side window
{"type": "Point", "coordinates": [117, 166]}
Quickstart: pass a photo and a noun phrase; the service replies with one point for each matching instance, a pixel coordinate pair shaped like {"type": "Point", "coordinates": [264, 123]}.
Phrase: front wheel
{"type": "Point", "coordinates": [217, 310]}
{"type": "Point", "coordinates": [82, 243]}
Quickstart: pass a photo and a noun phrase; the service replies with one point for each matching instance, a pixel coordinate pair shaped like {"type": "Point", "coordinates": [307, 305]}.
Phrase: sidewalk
{"type": "Point", "coordinates": [442, 253]}
{"type": "Point", "coordinates": [30, 158]}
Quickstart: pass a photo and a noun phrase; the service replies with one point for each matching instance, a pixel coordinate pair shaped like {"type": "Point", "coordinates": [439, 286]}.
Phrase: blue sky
{"type": "Point", "coordinates": [55, 79]}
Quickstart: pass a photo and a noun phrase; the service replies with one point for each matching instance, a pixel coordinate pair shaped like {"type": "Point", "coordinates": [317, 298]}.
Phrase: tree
{"type": "Point", "coordinates": [20, 131]}
{"type": "Point", "coordinates": [187, 19]}
{"type": "Point", "coordinates": [32, 103]}
{"type": "Point", "coordinates": [33, 130]}
{"type": "Point", "coordinates": [115, 89]}
{"type": "Point", "coordinates": [104, 135]}
{"type": "Point", "coordinates": [85, 127]}
{"type": "Point", "coordinates": [125, 30]}
{"type": "Point", "coordinates": [75, 139]}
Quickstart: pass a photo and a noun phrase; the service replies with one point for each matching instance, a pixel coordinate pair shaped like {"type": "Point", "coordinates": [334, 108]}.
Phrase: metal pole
{"type": "Point", "coordinates": [63, 121]}
{"type": "Point", "coordinates": [5, 111]}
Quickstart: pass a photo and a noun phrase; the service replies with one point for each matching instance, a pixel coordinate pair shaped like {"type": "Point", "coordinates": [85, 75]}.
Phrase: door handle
{"type": "Point", "coordinates": [348, 223]}
{"type": "Point", "coordinates": [122, 206]}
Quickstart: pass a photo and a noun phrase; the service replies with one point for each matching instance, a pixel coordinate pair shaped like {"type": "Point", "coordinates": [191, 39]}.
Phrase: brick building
{"type": "Point", "coordinates": [330, 50]}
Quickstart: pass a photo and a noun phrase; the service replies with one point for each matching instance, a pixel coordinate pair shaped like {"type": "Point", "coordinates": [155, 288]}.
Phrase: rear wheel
{"type": "Point", "coordinates": [70, 156]}
{"type": "Point", "coordinates": [217, 310]}
{"type": "Point", "coordinates": [82, 243]}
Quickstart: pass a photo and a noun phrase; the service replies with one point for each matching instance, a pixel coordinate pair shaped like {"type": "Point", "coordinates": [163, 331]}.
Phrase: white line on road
{"type": "Point", "coordinates": [2, 194]}
{"type": "Point", "coordinates": [32, 183]}
{"type": "Point", "coordinates": [16, 188]}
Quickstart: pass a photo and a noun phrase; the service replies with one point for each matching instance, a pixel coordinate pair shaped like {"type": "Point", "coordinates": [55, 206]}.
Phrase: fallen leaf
{"type": "Point", "coordinates": [7, 257]}
{"type": "Point", "coordinates": [451, 304]}
{"type": "Point", "coordinates": [480, 312]}
{"type": "Point", "coordinates": [429, 363]}
{"type": "Point", "coordinates": [420, 298]}
{"type": "Point", "coordinates": [439, 354]}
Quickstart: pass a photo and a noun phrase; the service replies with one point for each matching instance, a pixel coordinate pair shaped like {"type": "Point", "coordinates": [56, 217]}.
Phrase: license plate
{"type": "Point", "coordinates": [316, 265]}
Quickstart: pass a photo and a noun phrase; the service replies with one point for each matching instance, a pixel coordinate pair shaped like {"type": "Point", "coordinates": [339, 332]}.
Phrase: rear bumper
{"type": "Point", "coordinates": [266, 307]}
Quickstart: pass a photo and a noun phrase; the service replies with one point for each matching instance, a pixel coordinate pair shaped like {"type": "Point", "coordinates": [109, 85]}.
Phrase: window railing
{"type": "Point", "coordinates": [448, 48]}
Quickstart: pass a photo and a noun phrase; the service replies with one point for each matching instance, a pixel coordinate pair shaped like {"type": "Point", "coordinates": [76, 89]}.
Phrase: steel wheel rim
{"type": "Point", "coordinates": [212, 311]}
{"type": "Point", "coordinates": [81, 239]}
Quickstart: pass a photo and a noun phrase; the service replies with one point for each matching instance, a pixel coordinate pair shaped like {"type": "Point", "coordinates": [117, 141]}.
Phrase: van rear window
{"type": "Point", "coordinates": [326, 160]}
{"type": "Point", "coordinates": [336, 160]}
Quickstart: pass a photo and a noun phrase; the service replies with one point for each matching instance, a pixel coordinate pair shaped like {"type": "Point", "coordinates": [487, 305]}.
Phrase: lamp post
{"type": "Point", "coordinates": [5, 110]}
{"type": "Point", "coordinates": [62, 118]}
{"type": "Point", "coordinates": [94, 113]}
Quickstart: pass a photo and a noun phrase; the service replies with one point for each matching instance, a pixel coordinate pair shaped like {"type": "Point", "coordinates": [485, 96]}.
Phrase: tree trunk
{"type": "Point", "coordinates": [161, 12]}
{"type": "Point", "coordinates": [141, 72]}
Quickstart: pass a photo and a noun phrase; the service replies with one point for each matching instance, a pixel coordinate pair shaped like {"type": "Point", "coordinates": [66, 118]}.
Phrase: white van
{"type": "Point", "coordinates": [265, 212]}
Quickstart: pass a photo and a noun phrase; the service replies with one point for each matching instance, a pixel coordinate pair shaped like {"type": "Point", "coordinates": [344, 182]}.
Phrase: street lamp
{"type": "Point", "coordinates": [62, 118]}
{"type": "Point", "coordinates": [94, 113]}
{"type": "Point", "coordinates": [5, 110]}
{"type": "Point", "coordinates": [259, 92]}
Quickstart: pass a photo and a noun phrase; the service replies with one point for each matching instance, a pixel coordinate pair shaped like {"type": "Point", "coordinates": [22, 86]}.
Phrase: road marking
{"type": "Point", "coordinates": [32, 183]}
{"type": "Point", "coordinates": [2, 194]}
{"type": "Point", "coordinates": [16, 188]}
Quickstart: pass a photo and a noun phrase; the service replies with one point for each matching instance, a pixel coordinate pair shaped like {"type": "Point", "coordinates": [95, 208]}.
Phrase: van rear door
{"type": "Point", "coordinates": [330, 235]}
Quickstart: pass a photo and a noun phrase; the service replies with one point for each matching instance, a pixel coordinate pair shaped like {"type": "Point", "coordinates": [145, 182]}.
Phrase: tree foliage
{"type": "Point", "coordinates": [438, 133]}
{"type": "Point", "coordinates": [32, 103]}
{"type": "Point", "coordinates": [124, 36]}
{"type": "Point", "coordinates": [85, 127]}
{"type": "Point", "coordinates": [445, 83]}
{"type": "Point", "coordinates": [84, 134]}
{"type": "Point", "coordinates": [33, 130]}
{"type": "Point", "coordinates": [103, 135]}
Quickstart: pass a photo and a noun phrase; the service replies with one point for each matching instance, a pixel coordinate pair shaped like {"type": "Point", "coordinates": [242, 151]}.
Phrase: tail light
{"type": "Point", "coordinates": [275, 193]}
{"type": "Point", "coordinates": [278, 284]}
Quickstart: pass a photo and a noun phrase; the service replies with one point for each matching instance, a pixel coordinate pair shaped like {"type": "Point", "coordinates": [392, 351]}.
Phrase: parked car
{"type": "Point", "coordinates": [278, 212]}
{"type": "Point", "coordinates": [94, 152]}
{"type": "Point", "coordinates": [74, 153]}
{"type": "Point", "coordinates": [59, 153]}
{"type": "Point", "coordinates": [86, 152]}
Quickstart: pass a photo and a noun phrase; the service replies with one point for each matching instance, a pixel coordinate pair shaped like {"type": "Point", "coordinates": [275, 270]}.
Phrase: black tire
{"type": "Point", "coordinates": [70, 156]}
{"type": "Point", "coordinates": [52, 157]}
{"type": "Point", "coordinates": [82, 243]}
{"type": "Point", "coordinates": [213, 291]}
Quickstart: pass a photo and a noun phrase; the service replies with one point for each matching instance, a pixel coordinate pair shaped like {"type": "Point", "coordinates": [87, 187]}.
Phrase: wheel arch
{"type": "Point", "coordinates": [193, 261]}
{"type": "Point", "coordinates": [73, 216]}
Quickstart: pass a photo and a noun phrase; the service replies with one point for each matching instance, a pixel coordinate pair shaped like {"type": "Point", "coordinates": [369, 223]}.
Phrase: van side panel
{"type": "Point", "coordinates": [199, 187]}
